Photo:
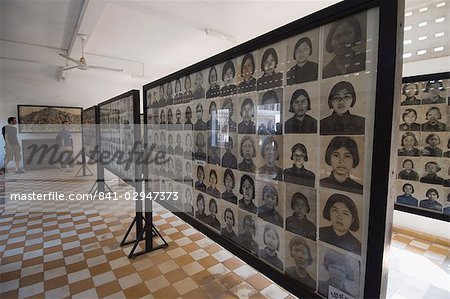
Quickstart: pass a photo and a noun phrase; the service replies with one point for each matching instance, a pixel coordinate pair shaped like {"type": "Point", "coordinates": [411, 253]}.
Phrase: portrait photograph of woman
{"type": "Point", "coordinates": [409, 144]}
{"type": "Point", "coordinates": [228, 78]}
{"type": "Point", "coordinates": [338, 270]}
{"type": "Point", "coordinates": [213, 123]}
{"type": "Point", "coordinates": [162, 96]}
{"type": "Point", "coordinates": [169, 94]}
{"type": "Point", "coordinates": [447, 153]}
{"type": "Point", "coordinates": [179, 94]}
{"type": "Point", "coordinates": [271, 158]}
{"type": "Point", "coordinates": [213, 180]}
{"type": "Point", "coordinates": [270, 208]}
{"type": "Point", "coordinates": [214, 152]}
{"type": "Point", "coordinates": [341, 101]}
{"type": "Point", "coordinates": [301, 205]}
{"type": "Point", "coordinates": [187, 179]}
{"type": "Point", "coordinates": [187, 204]}
{"type": "Point", "coordinates": [247, 232]}
{"type": "Point", "coordinates": [431, 201]}
{"type": "Point", "coordinates": [409, 117]}
{"type": "Point", "coordinates": [229, 182]}
{"type": "Point", "coordinates": [411, 93]}
{"type": "Point", "coordinates": [188, 125]}
{"type": "Point", "coordinates": [212, 218]}
{"type": "Point", "coordinates": [345, 46]}
{"type": "Point", "coordinates": [303, 55]}
{"type": "Point", "coordinates": [430, 174]}
{"type": "Point", "coordinates": [188, 94]}
{"type": "Point", "coordinates": [199, 86]}
{"type": "Point", "coordinates": [300, 162]}
{"type": "Point", "coordinates": [229, 159]}
{"type": "Point", "coordinates": [434, 93]}
{"type": "Point", "coordinates": [246, 77]}
{"type": "Point", "coordinates": [200, 146]}
{"type": "Point", "coordinates": [301, 259]}
{"type": "Point", "coordinates": [200, 207]}
{"type": "Point", "coordinates": [269, 112]}
{"type": "Point", "coordinates": [200, 183]}
{"type": "Point", "coordinates": [272, 67]}
{"type": "Point", "coordinates": [229, 222]}
{"type": "Point", "coordinates": [247, 190]}
{"type": "Point", "coordinates": [247, 152]}
{"type": "Point", "coordinates": [230, 125]}
{"type": "Point", "coordinates": [407, 171]}
{"type": "Point", "coordinates": [298, 112]}
{"type": "Point", "coordinates": [213, 83]}
{"type": "Point", "coordinates": [431, 144]}
{"type": "Point", "coordinates": [271, 249]}
{"type": "Point", "coordinates": [188, 147]}
{"type": "Point", "coordinates": [248, 115]}
{"type": "Point", "coordinates": [342, 155]}
{"type": "Point", "coordinates": [199, 125]}
{"type": "Point", "coordinates": [407, 197]}
{"type": "Point", "coordinates": [340, 225]}
{"type": "Point", "coordinates": [433, 116]}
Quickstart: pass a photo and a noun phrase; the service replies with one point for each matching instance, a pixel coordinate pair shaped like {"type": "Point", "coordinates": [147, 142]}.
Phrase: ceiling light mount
{"type": "Point", "coordinates": [221, 35]}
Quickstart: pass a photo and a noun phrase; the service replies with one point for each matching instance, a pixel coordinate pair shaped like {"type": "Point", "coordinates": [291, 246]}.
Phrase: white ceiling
{"type": "Point", "coordinates": [150, 38]}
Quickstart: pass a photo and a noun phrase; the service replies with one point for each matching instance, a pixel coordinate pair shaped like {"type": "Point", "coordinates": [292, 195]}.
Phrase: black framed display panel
{"type": "Point", "coordinates": [47, 118]}
{"type": "Point", "coordinates": [90, 131]}
{"type": "Point", "coordinates": [386, 76]}
{"type": "Point", "coordinates": [418, 104]}
{"type": "Point", "coordinates": [119, 115]}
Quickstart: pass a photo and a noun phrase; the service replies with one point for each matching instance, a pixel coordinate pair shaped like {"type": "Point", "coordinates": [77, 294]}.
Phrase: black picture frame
{"type": "Point", "coordinates": [387, 79]}
{"type": "Point", "coordinates": [75, 127]}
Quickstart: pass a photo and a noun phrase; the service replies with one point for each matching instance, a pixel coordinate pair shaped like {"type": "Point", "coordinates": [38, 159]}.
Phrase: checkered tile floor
{"type": "Point", "coordinates": [71, 250]}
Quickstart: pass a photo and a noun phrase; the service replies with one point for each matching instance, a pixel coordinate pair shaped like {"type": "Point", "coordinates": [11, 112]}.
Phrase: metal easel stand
{"type": "Point", "coordinates": [85, 169]}
{"type": "Point", "coordinates": [95, 188]}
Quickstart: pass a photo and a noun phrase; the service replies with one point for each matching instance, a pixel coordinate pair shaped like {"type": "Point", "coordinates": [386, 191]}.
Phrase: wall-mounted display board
{"type": "Point", "coordinates": [48, 119]}
{"type": "Point", "coordinates": [272, 147]}
{"type": "Point", "coordinates": [119, 129]}
{"type": "Point", "coordinates": [90, 132]}
{"type": "Point", "coordinates": [423, 172]}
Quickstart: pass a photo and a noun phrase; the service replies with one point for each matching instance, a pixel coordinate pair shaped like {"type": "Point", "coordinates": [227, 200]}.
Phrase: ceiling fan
{"type": "Point", "coordinates": [81, 63]}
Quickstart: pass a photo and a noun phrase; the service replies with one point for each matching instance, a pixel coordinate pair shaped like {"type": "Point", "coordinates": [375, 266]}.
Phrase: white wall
{"type": "Point", "coordinates": [37, 84]}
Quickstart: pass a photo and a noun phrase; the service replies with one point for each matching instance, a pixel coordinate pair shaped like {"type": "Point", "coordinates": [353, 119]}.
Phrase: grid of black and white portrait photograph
{"type": "Point", "coordinates": [270, 149]}
{"type": "Point", "coordinates": [423, 154]}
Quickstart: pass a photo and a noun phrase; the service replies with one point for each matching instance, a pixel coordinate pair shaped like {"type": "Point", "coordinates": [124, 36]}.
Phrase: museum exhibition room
{"type": "Point", "coordinates": [225, 149]}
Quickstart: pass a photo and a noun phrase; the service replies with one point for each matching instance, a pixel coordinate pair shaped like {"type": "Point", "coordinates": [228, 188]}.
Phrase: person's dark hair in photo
{"type": "Point", "coordinates": [300, 122]}
{"type": "Point", "coordinates": [433, 89]}
{"type": "Point", "coordinates": [200, 144]}
{"type": "Point", "coordinates": [199, 90]}
{"type": "Point", "coordinates": [410, 91]}
{"type": "Point", "coordinates": [230, 124]}
{"type": "Point", "coordinates": [270, 152]}
{"type": "Point", "coordinates": [200, 213]}
{"type": "Point", "coordinates": [431, 177]}
{"type": "Point", "coordinates": [431, 202]}
{"type": "Point", "coordinates": [342, 155]}
{"type": "Point", "coordinates": [230, 221]}
{"type": "Point", "coordinates": [270, 77]}
{"type": "Point", "coordinates": [162, 117]}
{"type": "Point", "coordinates": [247, 189]}
{"type": "Point", "coordinates": [268, 99]}
{"type": "Point", "coordinates": [268, 210]}
{"type": "Point", "coordinates": [342, 97]}
{"type": "Point", "coordinates": [246, 238]}
{"type": "Point", "coordinates": [247, 152]}
{"type": "Point", "coordinates": [447, 153]}
{"type": "Point", "coordinates": [341, 211]}
{"type": "Point", "coordinates": [340, 274]}
{"type": "Point", "coordinates": [228, 78]}
{"type": "Point", "coordinates": [407, 198]}
{"type": "Point", "coordinates": [408, 172]}
{"type": "Point", "coordinates": [188, 125]}
{"type": "Point", "coordinates": [247, 70]}
{"type": "Point", "coordinates": [247, 126]}
{"type": "Point", "coordinates": [432, 150]}
{"type": "Point", "coordinates": [188, 180]}
{"type": "Point", "coordinates": [304, 70]}
{"type": "Point", "coordinates": [178, 117]}
{"type": "Point", "coordinates": [211, 219]}
{"type": "Point", "coordinates": [229, 183]}
{"type": "Point", "coordinates": [298, 174]}
{"type": "Point", "coordinates": [298, 222]}
{"type": "Point", "coordinates": [345, 34]}
{"type": "Point", "coordinates": [433, 124]}
{"type": "Point", "coordinates": [409, 117]}
{"type": "Point", "coordinates": [409, 145]}
{"type": "Point", "coordinates": [301, 254]}
{"type": "Point", "coordinates": [228, 159]}
{"type": "Point", "coordinates": [200, 125]}
{"type": "Point", "coordinates": [212, 188]}
{"type": "Point", "coordinates": [272, 242]}
{"type": "Point", "coordinates": [214, 87]}
{"type": "Point", "coordinates": [199, 184]}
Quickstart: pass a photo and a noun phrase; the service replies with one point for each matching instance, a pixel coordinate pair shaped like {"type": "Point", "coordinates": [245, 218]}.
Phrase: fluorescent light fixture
{"type": "Point", "coordinates": [438, 49]}
{"type": "Point", "coordinates": [440, 4]}
{"type": "Point", "coordinates": [221, 35]}
{"type": "Point", "coordinates": [407, 28]}
{"type": "Point", "coordinates": [423, 37]}
{"type": "Point", "coordinates": [408, 14]}
{"type": "Point", "coordinates": [421, 52]}
{"type": "Point", "coordinates": [422, 24]}
{"type": "Point", "coordinates": [407, 42]}
{"type": "Point", "coordinates": [439, 20]}
{"type": "Point", "coordinates": [439, 34]}
{"type": "Point", "coordinates": [407, 55]}
{"type": "Point", "coordinates": [423, 9]}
